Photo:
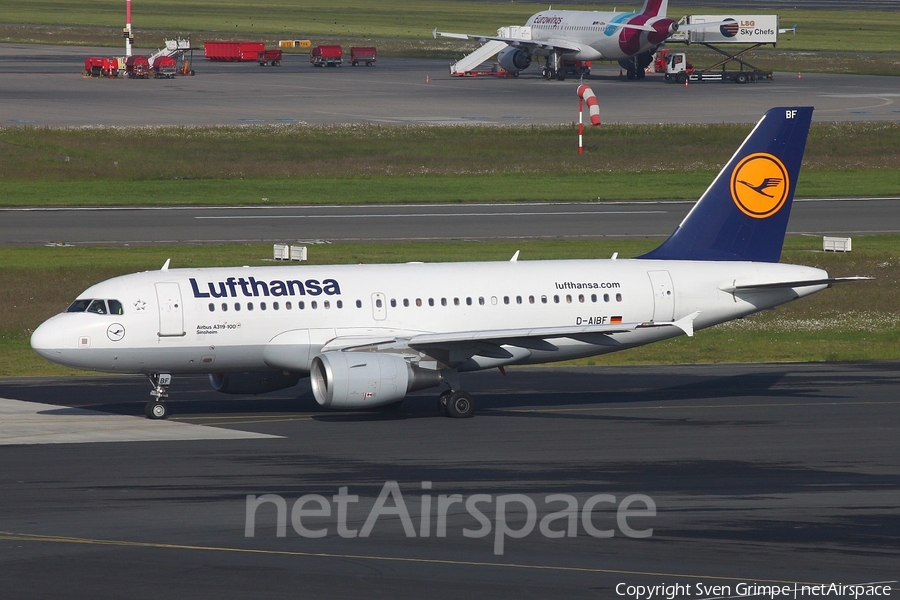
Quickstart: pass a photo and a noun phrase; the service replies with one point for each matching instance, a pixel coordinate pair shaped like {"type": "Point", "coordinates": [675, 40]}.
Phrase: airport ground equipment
{"type": "Point", "coordinates": [326, 56]}
{"type": "Point", "coordinates": [269, 58]}
{"type": "Point", "coordinates": [228, 51]}
{"type": "Point", "coordinates": [363, 54]}
{"type": "Point", "coordinates": [137, 67]}
{"type": "Point", "coordinates": [164, 67]}
{"type": "Point", "coordinates": [101, 66]}
{"type": "Point", "coordinates": [751, 31]}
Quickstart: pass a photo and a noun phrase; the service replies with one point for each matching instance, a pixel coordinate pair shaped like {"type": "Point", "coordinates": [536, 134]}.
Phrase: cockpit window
{"type": "Point", "coordinates": [79, 306]}
{"type": "Point", "coordinates": [97, 307]}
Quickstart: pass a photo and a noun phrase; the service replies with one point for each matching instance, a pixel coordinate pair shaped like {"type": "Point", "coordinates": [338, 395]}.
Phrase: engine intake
{"type": "Point", "coordinates": [366, 379]}
{"type": "Point", "coordinates": [514, 59]}
{"type": "Point", "coordinates": [256, 382]}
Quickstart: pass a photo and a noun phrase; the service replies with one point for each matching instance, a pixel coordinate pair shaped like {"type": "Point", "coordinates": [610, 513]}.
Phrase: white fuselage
{"type": "Point", "coordinates": [591, 31]}
{"type": "Point", "coordinates": [216, 320]}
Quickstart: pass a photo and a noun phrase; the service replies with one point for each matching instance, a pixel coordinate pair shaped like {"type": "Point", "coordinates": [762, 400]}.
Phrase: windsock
{"type": "Point", "coordinates": [587, 94]}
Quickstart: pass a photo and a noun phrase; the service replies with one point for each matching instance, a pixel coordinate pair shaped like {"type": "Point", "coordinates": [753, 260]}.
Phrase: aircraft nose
{"type": "Point", "coordinates": [46, 340]}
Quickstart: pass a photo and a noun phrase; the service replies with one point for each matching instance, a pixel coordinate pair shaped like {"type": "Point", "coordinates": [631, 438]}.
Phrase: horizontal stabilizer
{"type": "Point", "coordinates": [791, 284]}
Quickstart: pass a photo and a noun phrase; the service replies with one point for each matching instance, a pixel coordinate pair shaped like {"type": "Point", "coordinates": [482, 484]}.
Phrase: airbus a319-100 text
{"type": "Point", "coordinates": [366, 335]}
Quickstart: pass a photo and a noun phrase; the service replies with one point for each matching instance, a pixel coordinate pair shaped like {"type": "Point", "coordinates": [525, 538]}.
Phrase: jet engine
{"type": "Point", "coordinates": [366, 379]}
{"type": "Point", "coordinates": [257, 382]}
{"type": "Point", "coordinates": [514, 59]}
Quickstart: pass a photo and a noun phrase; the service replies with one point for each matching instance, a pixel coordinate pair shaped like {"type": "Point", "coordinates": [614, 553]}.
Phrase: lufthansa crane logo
{"type": "Point", "coordinates": [759, 185]}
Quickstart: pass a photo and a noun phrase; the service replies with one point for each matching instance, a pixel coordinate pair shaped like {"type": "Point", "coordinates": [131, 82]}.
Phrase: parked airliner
{"type": "Point", "coordinates": [627, 37]}
{"type": "Point", "coordinates": [366, 335]}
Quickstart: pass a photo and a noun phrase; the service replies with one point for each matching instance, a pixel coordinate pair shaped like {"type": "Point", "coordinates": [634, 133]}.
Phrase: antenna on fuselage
{"type": "Point", "coordinates": [165, 267]}
{"type": "Point", "coordinates": [515, 257]}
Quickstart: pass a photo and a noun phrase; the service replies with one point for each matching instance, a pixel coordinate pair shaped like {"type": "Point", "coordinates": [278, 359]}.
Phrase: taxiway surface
{"type": "Point", "coordinates": [759, 474]}
{"type": "Point", "coordinates": [43, 86]}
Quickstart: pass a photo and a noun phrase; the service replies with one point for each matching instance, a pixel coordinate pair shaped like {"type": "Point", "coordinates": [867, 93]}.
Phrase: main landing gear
{"type": "Point", "coordinates": [157, 408]}
{"type": "Point", "coordinates": [456, 404]}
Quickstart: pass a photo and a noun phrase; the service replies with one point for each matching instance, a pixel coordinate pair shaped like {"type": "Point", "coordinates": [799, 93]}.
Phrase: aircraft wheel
{"type": "Point", "coordinates": [460, 405]}
{"type": "Point", "coordinates": [156, 410]}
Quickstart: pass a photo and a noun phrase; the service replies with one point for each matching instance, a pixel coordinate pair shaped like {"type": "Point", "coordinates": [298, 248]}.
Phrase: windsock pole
{"type": "Point", "coordinates": [129, 38]}
{"type": "Point", "coordinates": [586, 94]}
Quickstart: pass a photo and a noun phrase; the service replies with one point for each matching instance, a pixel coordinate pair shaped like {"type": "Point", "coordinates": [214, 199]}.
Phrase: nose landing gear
{"type": "Point", "coordinates": [157, 408]}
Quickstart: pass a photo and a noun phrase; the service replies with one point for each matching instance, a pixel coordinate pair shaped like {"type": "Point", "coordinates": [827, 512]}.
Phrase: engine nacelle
{"type": "Point", "coordinates": [514, 59]}
{"type": "Point", "coordinates": [257, 382]}
{"type": "Point", "coordinates": [366, 379]}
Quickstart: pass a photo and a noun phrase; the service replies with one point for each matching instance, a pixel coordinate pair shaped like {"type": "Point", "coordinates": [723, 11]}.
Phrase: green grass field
{"type": "Point", "coordinates": [859, 321]}
{"type": "Point", "coordinates": [377, 164]}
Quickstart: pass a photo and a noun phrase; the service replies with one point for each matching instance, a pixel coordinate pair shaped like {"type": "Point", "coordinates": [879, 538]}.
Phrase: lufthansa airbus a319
{"type": "Point", "coordinates": [366, 335]}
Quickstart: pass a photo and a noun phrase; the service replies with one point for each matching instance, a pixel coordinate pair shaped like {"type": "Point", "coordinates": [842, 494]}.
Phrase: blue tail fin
{"type": "Point", "coordinates": [743, 215]}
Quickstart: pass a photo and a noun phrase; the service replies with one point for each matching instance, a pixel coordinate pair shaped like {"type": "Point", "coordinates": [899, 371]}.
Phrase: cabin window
{"type": "Point", "coordinates": [431, 302]}
{"type": "Point", "coordinates": [262, 306]}
{"type": "Point", "coordinates": [326, 304]}
{"type": "Point", "coordinates": [481, 300]}
{"type": "Point", "coordinates": [339, 304]}
{"type": "Point", "coordinates": [443, 302]}
{"type": "Point", "coordinates": [359, 304]}
{"type": "Point", "coordinates": [505, 299]}
{"type": "Point", "coordinates": [393, 303]}
{"type": "Point", "coordinates": [275, 306]}
{"type": "Point", "coordinates": [78, 306]}
{"type": "Point", "coordinates": [543, 299]}
{"type": "Point", "coordinates": [378, 303]}
{"type": "Point", "coordinates": [593, 297]}
{"type": "Point", "coordinates": [518, 299]}
{"type": "Point", "coordinates": [98, 307]}
{"type": "Point", "coordinates": [418, 302]}
{"type": "Point", "coordinates": [618, 297]}
{"type": "Point", "coordinates": [606, 297]}
{"type": "Point", "coordinates": [406, 302]}
{"type": "Point", "coordinates": [237, 306]}
{"type": "Point", "coordinates": [469, 301]}
{"type": "Point", "coordinates": [456, 302]}
{"type": "Point", "coordinates": [314, 305]}
{"type": "Point", "coordinates": [224, 307]}
{"type": "Point", "coordinates": [555, 299]}
{"type": "Point", "coordinates": [115, 307]}
{"type": "Point", "coordinates": [287, 305]}
{"type": "Point", "coordinates": [212, 307]}
{"type": "Point", "coordinates": [581, 298]}
{"type": "Point", "coordinates": [301, 305]}
{"type": "Point", "coordinates": [249, 306]}
{"type": "Point", "coordinates": [530, 299]}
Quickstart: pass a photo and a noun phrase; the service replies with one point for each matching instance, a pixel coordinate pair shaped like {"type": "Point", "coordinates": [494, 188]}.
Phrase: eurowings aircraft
{"type": "Point", "coordinates": [366, 335]}
{"type": "Point", "coordinates": [629, 38]}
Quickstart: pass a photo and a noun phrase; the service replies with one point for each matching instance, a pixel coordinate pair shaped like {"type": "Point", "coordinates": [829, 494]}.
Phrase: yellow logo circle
{"type": "Point", "coordinates": [759, 185]}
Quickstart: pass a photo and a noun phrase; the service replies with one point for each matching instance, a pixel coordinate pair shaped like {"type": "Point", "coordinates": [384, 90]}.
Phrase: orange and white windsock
{"type": "Point", "coordinates": [587, 94]}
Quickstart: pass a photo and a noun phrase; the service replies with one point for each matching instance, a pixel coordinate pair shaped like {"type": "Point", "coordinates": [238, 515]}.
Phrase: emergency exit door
{"type": "Point", "coordinates": [663, 296]}
{"type": "Point", "coordinates": [171, 311]}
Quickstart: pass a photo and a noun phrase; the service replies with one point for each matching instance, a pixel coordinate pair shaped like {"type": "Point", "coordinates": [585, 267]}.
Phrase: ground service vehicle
{"type": "Point", "coordinates": [269, 57]}
{"type": "Point", "coordinates": [137, 67]}
{"type": "Point", "coordinates": [363, 54]}
{"type": "Point", "coordinates": [679, 70]}
{"type": "Point", "coordinates": [164, 67]}
{"type": "Point", "coordinates": [100, 66]}
{"type": "Point", "coordinates": [326, 56]}
{"type": "Point", "coordinates": [232, 51]}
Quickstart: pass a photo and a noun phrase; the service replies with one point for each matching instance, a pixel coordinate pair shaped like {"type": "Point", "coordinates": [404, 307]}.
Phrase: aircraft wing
{"type": "Point", "coordinates": [458, 346]}
{"type": "Point", "coordinates": [564, 45]}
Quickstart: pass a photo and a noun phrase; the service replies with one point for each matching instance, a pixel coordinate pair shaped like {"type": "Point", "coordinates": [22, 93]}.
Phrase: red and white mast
{"type": "Point", "coordinates": [129, 38]}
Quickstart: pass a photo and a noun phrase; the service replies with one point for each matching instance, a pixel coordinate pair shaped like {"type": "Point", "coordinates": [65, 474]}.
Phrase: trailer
{"type": "Point", "coordinates": [269, 57]}
{"type": "Point", "coordinates": [227, 51]}
{"type": "Point", "coordinates": [100, 66]}
{"type": "Point", "coordinates": [326, 56]}
{"type": "Point", "coordinates": [164, 67]}
{"type": "Point", "coordinates": [679, 70]}
{"type": "Point", "coordinates": [137, 67]}
{"type": "Point", "coordinates": [363, 54]}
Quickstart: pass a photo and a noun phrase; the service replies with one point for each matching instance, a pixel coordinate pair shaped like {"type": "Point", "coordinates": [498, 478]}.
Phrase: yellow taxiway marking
{"type": "Point", "coordinates": [33, 537]}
